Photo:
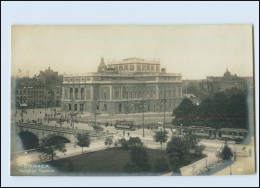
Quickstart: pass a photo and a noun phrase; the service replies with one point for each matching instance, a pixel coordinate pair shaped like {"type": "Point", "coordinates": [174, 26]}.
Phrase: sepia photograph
{"type": "Point", "coordinates": [129, 94]}
{"type": "Point", "coordinates": [132, 100]}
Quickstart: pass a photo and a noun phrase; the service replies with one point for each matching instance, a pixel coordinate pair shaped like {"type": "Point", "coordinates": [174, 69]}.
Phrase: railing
{"type": "Point", "coordinates": [58, 129]}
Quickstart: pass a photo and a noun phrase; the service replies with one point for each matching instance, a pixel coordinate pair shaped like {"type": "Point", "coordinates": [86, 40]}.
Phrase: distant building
{"type": "Point", "coordinates": [204, 88]}
{"type": "Point", "coordinates": [128, 86]}
{"type": "Point", "coordinates": [227, 81]}
{"type": "Point", "coordinates": [40, 91]}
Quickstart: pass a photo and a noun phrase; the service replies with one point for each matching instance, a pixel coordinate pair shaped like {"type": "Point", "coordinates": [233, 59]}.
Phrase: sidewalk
{"type": "Point", "coordinates": [244, 165]}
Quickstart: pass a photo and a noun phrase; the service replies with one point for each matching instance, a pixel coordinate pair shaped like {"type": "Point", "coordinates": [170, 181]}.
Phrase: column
{"type": "Point", "coordinates": [111, 93]}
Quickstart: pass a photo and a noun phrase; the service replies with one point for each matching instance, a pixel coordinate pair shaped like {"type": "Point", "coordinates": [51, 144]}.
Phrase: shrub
{"type": "Point", "coordinates": [135, 141]}
{"type": "Point", "coordinates": [225, 153]}
{"type": "Point", "coordinates": [123, 143]}
{"type": "Point", "coordinates": [108, 142]}
{"type": "Point", "coordinates": [199, 149]}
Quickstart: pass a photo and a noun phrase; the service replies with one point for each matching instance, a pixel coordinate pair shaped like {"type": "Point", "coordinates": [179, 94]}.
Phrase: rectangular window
{"type": "Point", "coordinates": [126, 67]}
{"type": "Point", "coordinates": [132, 67]}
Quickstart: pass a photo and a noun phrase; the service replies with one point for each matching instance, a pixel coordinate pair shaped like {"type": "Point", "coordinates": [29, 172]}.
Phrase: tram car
{"type": "Point", "coordinates": [128, 125]}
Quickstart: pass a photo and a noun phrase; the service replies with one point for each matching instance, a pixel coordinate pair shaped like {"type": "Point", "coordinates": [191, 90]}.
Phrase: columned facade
{"type": "Point", "coordinates": [116, 92]}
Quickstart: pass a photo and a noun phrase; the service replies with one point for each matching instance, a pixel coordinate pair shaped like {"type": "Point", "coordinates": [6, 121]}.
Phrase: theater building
{"type": "Point", "coordinates": [129, 86]}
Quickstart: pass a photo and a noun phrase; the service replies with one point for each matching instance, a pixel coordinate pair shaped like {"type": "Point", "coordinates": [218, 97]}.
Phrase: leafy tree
{"type": "Point", "coordinates": [116, 143]}
{"type": "Point", "coordinates": [199, 149]}
{"type": "Point", "coordinates": [108, 141]}
{"type": "Point", "coordinates": [185, 109]}
{"type": "Point", "coordinates": [161, 165]}
{"type": "Point", "coordinates": [225, 153]}
{"type": "Point", "coordinates": [135, 141]}
{"type": "Point", "coordinates": [50, 145]}
{"type": "Point", "coordinates": [138, 155]}
{"type": "Point", "coordinates": [178, 152]}
{"type": "Point", "coordinates": [83, 140]}
{"type": "Point", "coordinates": [123, 143]}
{"type": "Point", "coordinates": [221, 110]}
{"type": "Point", "coordinates": [161, 137]}
{"type": "Point", "coordinates": [192, 142]}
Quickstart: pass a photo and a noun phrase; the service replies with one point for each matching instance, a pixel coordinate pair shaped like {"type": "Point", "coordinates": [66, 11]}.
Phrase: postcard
{"type": "Point", "coordinates": [132, 100]}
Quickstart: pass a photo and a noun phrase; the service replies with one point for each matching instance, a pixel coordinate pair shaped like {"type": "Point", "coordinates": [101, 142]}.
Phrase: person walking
{"type": "Point", "coordinates": [250, 152]}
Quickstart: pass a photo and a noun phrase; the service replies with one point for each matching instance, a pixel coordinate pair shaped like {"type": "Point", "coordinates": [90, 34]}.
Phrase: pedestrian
{"type": "Point", "coordinates": [250, 152]}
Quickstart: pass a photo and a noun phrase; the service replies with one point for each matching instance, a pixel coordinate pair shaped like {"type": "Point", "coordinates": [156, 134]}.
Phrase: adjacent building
{"type": "Point", "coordinates": [128, 86]}
{"type": "Point", "coordinates": [39, 91]}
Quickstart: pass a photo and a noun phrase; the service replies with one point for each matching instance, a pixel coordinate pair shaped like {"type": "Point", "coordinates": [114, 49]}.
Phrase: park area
{"type": "Point", "coordinates": [109, 162]}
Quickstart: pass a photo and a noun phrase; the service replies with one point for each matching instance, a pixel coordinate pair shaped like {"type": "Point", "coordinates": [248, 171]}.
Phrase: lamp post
{"type": "Point", "coordinates": [142, 105]}
{"type": "Point", "coordinates": [164, 109]}
{"type": "Point", "coordinates": [95, 112]}
{"type": "Point", "coordinates": [71, 113]}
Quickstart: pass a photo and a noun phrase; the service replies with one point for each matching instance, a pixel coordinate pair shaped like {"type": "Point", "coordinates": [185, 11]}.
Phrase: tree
{"type": "Point", "coordinates": [161, 137]}
{"type": "Point", "coordinates": [123, 143]}
{"type": "Point", "coordinates": [192, 142]}
{"type": "Point", "coordinates": [83, 140]}
{"type": "Point", "coordinates": [178, 152]}
{"type": "Point", "coordinates": [161, 165]}
{"type": "Point", "coordinates": [108, 141]}
{"type": "Point", "coordinates": [185, 109]}
{"type": "Point", "coordinates": [225, 153]}
{"type": "Point", "coordinates": [135, 141]}
{"type": "Point", "coordinates": [50, 145]}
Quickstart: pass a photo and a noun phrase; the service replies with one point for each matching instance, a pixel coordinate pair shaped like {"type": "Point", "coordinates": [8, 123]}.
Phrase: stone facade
{"type": "Point", "coordinates": [111, 91]}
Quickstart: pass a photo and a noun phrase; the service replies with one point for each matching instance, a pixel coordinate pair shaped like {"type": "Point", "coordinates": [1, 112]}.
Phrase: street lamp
{"type": "Point", "coordinates": [163, 102]}
{"type": "Point", "coordinates": [142, 105]}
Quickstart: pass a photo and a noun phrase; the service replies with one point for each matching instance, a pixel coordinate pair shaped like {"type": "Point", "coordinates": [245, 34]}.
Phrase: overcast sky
{"type": "Point", "coordinates": [194, 51]}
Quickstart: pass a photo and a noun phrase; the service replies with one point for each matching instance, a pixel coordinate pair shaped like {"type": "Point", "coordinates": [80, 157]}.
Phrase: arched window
{"type": "Point", "coordinates": [71, 93]}
{"type": "Point", "coordinates": [82, 93]}
{"type": "Point", "coordinates": [76, 93]}
{"type": "Point", "coordinates": [66, 93]}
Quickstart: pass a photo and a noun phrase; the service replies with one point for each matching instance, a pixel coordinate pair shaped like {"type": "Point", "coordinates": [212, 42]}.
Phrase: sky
{"type": "Point", "coordinates": [194, 51]}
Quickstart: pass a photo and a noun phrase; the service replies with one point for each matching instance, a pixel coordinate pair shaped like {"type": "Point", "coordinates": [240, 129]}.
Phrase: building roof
{"type": "Point", "coordinates": [135, 60]}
